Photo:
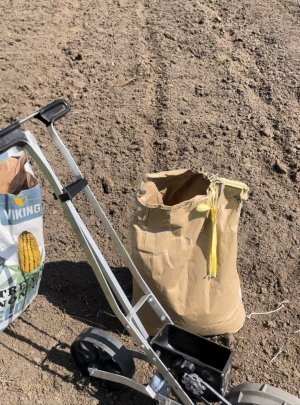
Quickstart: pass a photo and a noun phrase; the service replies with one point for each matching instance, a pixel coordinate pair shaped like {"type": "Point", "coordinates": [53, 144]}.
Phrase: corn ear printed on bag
{"type": "Point", "coordinates": [184, 243]}
{"type": "Point", "coordinates": [21, 235]}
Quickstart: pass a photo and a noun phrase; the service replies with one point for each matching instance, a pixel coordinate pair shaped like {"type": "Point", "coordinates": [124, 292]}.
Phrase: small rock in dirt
{"type": "Point", "coordinates": [231, 340]}
{"type": "Point", "coordinates": [228, 339]}
{"type": "Point", "coordinates": [241, 134]}
{"type": "Point", "coordinates": [126, 190]}
{"type": "Point", "coordinates": [249, 213]}
{"type": "Point", "coordinates": [78, 57]}
{"type": "Point", "coordinates": [201, 19]}
{"type": "Point", "coordinates": [289, 216]}
{"type": "Point", "coordinates": [199, 92]}
{"type": "Point", "coordinates": [263, 342]}
{"type": "Point", "coordinates": [118, 120]}
{"type": "Point", "coordinates": [186, 121]}
{"type": "Point", "coordinates": [206, 136]}
{"type": "Point", "coordinates": [266, 131]}
{"type": "Point", "coordinates": [270, 324]}
{"type": "Point", "coordinates": [217, 19]}
{"type": "Point", "coordinates": [295, 176]}
{"type": "Point", "coordinates": [136, 148]}
{"type": "Point", "coordinates": [267, 350]}
{"type": "Point", "coordinates": [280, 167]}
{"type": "Point", "coordinates": [277, 135]}
{"type": "Point", "coordinates": [159, 122]}
{"type": "Point", "coordinates": [291, 149]}
{"type": "Point", "coordinates": [285, 373]}
{"type": "Point", "coordinates": [159, 142]}
{"type": "Point", "coordinates": [141, 142]}
{"type": "Point", "coordinates": [169, 36]}
{"type": "Point", "coordinates": [107, 186]}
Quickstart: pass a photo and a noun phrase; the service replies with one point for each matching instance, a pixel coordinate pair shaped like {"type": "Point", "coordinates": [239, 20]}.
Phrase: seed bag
{"type": "Point", "coordinates": [21, 235]}
{"type": "Point", "coordinates": [184, 243]}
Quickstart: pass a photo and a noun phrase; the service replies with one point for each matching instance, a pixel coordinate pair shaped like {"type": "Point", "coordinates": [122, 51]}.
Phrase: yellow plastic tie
{"type": "Point", "coordinates": [213, 215]}
{"type": "Point", "coordinates": [213, 245]}
{"type": "Point", "coordinates": [213, 262]}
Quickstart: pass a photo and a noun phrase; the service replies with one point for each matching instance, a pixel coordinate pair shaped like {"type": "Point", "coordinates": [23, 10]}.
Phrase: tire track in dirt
{"type": "Point", "coordinates": [153, 81]}
{"type": "Point", "coordinates": [150, 13]}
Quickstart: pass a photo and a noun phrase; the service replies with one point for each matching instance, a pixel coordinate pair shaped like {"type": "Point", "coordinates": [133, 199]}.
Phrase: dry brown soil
{"type": "Point", "coordinates": [157, 85]}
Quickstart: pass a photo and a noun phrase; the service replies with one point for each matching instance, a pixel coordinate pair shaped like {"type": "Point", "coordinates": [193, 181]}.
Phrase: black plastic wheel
{"type": "Point", "coordinates": [94, 348]}
{"type": "Point", "coordinates": [260, 394]}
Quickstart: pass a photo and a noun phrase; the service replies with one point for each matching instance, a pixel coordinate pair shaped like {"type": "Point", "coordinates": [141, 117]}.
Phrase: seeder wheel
{"type": "Point", "coordinates": [94, 348]}
{"type": "Point", "coordinates": [260, 394]}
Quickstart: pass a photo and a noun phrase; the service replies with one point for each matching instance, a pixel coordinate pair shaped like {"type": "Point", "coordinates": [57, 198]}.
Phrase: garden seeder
{"type": "Point", "coordinates": [189, 368]}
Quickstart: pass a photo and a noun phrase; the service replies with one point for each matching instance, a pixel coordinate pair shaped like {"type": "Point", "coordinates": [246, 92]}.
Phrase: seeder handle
{"type": "Point", "coordinates": [53, 111]}
{"type": "Point", "coordinates": [47, 115]}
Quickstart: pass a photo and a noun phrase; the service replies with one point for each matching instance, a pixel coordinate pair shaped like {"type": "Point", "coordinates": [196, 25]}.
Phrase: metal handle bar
{"type": "Point", "coordinates": [47, 115]}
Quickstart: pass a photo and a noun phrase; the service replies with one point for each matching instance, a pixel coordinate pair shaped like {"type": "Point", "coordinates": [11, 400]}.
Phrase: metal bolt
{"type": "Point", "coordinates": [163, 318]}
{"type": "Point", "coordinates": [154, 359]}
{"type": "Point", "coordinates": [150, 299]}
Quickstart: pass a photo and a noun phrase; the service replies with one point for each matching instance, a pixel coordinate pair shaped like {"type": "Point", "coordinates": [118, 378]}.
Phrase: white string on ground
{"type": "Point", "coordinates": [265, 313]}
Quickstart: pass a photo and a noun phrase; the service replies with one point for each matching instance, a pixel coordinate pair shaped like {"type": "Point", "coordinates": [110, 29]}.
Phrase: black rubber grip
{"type": "Point", "coordinates": [53, 111]}
{"type": "Point", "coordinates": [9, 129]}
{"type": "Point", "coordinates": [12, 138]}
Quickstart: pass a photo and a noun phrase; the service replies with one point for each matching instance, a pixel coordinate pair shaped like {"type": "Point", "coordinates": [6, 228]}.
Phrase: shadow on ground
{"type": "Point", "coordinates": [74, 289]}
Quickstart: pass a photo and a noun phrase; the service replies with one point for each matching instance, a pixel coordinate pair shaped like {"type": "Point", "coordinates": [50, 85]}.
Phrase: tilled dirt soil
{"type": "Point", "coordinates": [157, 85]}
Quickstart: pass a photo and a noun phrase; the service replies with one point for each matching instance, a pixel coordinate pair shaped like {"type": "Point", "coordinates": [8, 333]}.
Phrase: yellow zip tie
{"type": "Point", "coordinates": [213, 260]}
{"type": "Point", "coordinates": [213, 215]}
{"type": "Point", "coordinates": [213, 249]}
{"type": "Point", "coordinates": [213, 245]}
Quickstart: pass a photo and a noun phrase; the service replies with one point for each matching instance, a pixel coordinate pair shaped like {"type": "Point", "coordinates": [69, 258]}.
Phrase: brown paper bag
{"type": "Point", "coordinates": [15, 175]}
{"type": "Point", "coordinates": [184, 243]}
